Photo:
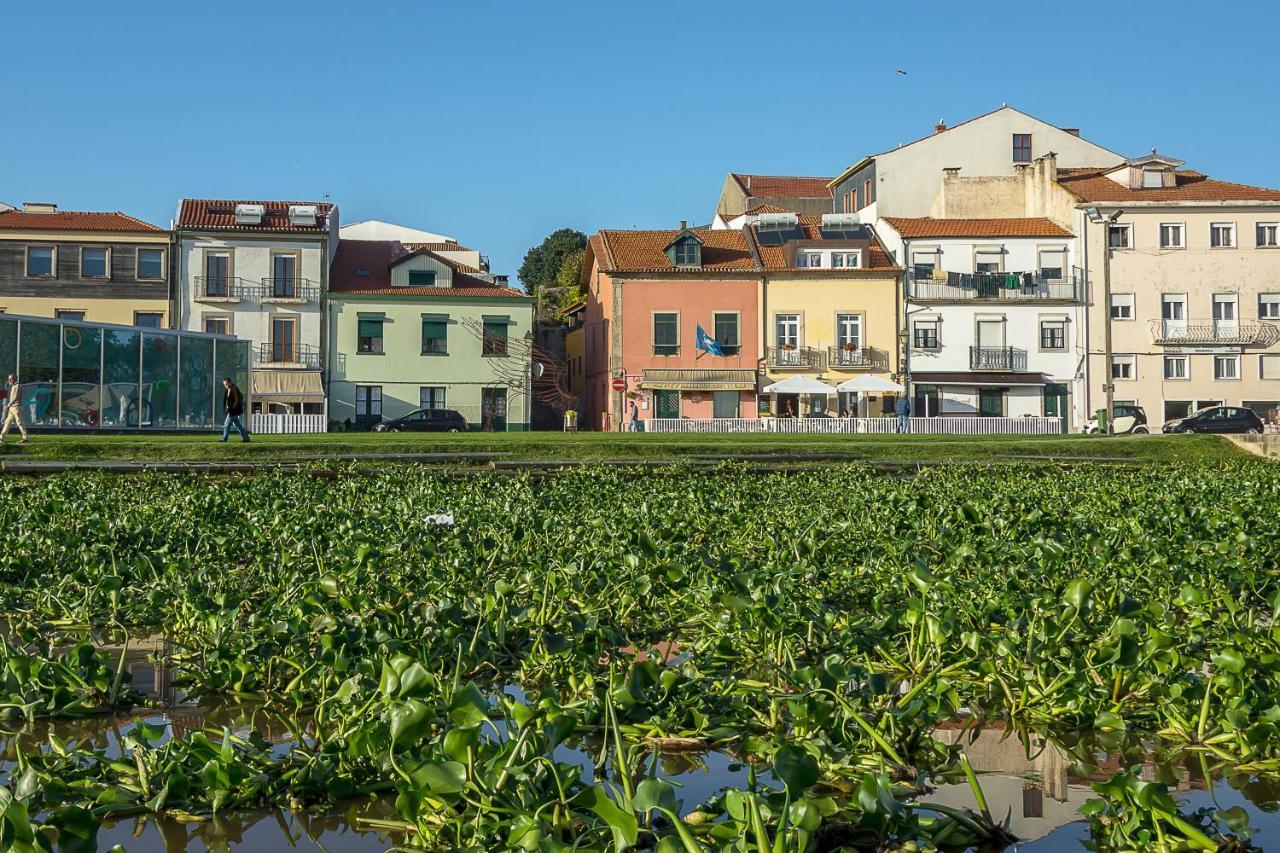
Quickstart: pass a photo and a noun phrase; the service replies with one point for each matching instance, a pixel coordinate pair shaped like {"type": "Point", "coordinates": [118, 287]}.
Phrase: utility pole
{"type": "Point", "coordinates": [1109, 384]}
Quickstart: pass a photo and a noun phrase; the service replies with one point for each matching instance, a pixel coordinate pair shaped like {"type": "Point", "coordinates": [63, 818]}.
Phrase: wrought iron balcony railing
{"type": "Point", "coordinates": [225, 289]}
{"type": "Point", "coordinates": [857, 358]}
{"type": "Point", "coordinates": [995, 287]}
{"type": "Point", "coordinates": [997, 358]}
{"type": "Point", "coordinates": [1214, 332]}
{"type": "Point", "coordinates": [289, 354]}
{"type": "Point", "coordinates": [809, 358]}
{"type": "Point", "coordinates": [289, 289]}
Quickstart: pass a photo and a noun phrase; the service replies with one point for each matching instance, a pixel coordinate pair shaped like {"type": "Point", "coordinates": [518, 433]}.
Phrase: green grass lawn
{"type": "Point", "coordinates": [573, 446]}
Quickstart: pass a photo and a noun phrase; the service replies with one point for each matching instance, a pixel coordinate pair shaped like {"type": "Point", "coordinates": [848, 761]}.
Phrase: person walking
{"type": "Point", "coordinates": [13, 410]}
{"type": "Point", "coordinates": [635, 417]}
{"type": "Point", "coordinates": [233, 406]}
{"type": "Point", "coordinates": [903, 410]}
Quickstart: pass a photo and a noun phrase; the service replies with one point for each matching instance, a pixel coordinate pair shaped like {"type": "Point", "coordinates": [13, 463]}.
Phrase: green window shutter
{"type": "Point", "coordinates": [370, 329]}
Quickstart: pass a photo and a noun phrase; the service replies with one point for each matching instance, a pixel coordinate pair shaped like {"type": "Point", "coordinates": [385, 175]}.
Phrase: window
{"type": "Point", "coordinates": [40, 261]}
{"type": "Point", "coordinates": [148, 319]}
{"type": "Point", "coordinates": [1268, 235]}
{"type": "Point", "coordinates": [494, 337]}
{"type": "Point", "coordinates": [1118, 236]}
{"type": "Point", "coordinates": [422, 278]}
{"type": "Point", "coordinates": [1225, 324]}
{"type": "Point", "coordinates": [94, 262]}
{"type": "Point", "coordinates": [726, 332]}
{"type": "Point", "coordinates": [1053, 334]}
{"type": "Point", "coordinates": [1122, 306]}
{"type": "Point", "coordinates": [431, 397]}
{"type": "Point", "coordinates": [284, 276]}
{"type": "Point", "coordinates": [1269, 367]}
{"type": "Point", "coordinates": [493, 408]}
{"type": "Point", "coordinates": [724, 404]}
{"type": "Point", "coordinates": [786, 331]}
{"type": "Point", "coordinates": [1222, 235]}
{"type": "Point", "coordinates": [988, 259]}
{"type": "Point", "coordinates": [1053, 263]}
{"type": "Point", "coordinates": [65, 314]}
{"type": "Point", "coordinates": [847, 260]}
{"type": "Point", "coordinates": [924, 262]}
{"type": "Point", "coordinates": [1269, 306]}
{"type": "Point", "coordinates": [666, 333]}
{"type": "Point", "coordinates": [1171, 235]}
{"type": "Point", "coordinates": [687, 253]}
{"type": "Point", "coordinates": [1123, 367]}
{"type": "Point", "coordinates": [1226, 367]}
{"type": "Point", "coordinates": [151, 264]}
{"type": "Point", "coordinates": [810, 260]}
{"type": "Point", "coordinates": [284, 340]}
{"type": "Point", "coordinates": [435, 334]}
{"type": "Point", "coordinates": [866, 192]}
{"type": "Point", "coordinates": [1152, 179]}
{"type": "Point", "coordinates": [369, 335]}
{"type": "Point", "coordinates": [368, 402]}
{"type": "Point", "coordinates": [217, 326]}
{"type": "Point", "coordinates": [849, 332]}
{"type": "Point", "coordinates": [1175, 367]}
{"type": "Point", "coordinates": [926, 334]}
{"type": "Point", "coordinates": [1022, 148]}
{"type": "Point", "coordinates": [217, 273]}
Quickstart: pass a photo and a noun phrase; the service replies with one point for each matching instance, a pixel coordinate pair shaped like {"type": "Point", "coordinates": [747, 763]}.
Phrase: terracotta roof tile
{"type": "Point", "coordinates": [1091, 184]}
{"type": "Point", "coordinates": [73, 220]}
{"type": "Point", "coordinates": [438, 247]}
{"type": "Point", "coordinates": [376, 257]}
{"type": "Point", "coordinates": [783, 186]}
{"type": "Point", "coordinates": [767, 208]}
{"type": "Point", "coordinates": [643, 251]}
{"type": "Point", "coordinates": [773, 258]}
{"type": "Point", "coordinates": [220, 215]}
{"type": "Point", "coordinates": [929, 227]}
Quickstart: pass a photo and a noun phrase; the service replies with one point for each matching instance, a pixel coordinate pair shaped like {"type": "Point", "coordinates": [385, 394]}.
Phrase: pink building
{"type": "Point", "coordinates": [648, 293]}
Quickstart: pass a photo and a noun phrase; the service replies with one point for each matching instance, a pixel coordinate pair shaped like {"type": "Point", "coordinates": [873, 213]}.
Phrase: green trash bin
{"type": "Point", "coordinates": [1101, 415]}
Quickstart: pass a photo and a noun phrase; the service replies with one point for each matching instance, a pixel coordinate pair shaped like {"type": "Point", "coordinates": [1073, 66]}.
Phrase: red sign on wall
{"type": "Point", "coordinates": [619, 384]}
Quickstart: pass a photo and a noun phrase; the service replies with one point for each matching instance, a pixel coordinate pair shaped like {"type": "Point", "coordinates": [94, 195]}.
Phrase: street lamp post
{"type": "Point", "coordinates": [1108, 385]}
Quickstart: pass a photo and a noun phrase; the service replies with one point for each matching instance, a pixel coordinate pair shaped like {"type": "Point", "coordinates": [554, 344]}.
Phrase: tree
{"type": "Point", "coordinates": [542, 263]}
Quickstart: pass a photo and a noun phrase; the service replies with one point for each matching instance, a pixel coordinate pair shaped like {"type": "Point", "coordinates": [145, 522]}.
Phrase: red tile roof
{"type": "Point", "coordinates": [773, 258]}
{"type": "Point", "coordinates": [767, 208]}
{"type": "Point", "coordinates": [377, 258]}
{"type": "Point", "coordinates": [783, 186]}
{"type": "Point", "coordinates": [644, 251]}
{"type": "Point", "coordinates": [73, 220]}
{"type": "Point", "coordinates": [220, 215]}
{"type": "Point", "coordinates": [929, 227]}
{"type": "Point", "coordinates": [1091, 184]}
{"type": "Point", "coordinates": [438, 247]}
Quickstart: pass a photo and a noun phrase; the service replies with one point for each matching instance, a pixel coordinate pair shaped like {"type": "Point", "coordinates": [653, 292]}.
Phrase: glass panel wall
{"type": "Point", "coordinates": [75, 375]}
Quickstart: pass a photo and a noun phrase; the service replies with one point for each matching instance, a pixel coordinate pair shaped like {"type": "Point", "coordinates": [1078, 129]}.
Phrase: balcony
{"type": "Point", "coordinates": [1214, 332]}
{"type": "Point", "coordinates": [996, 287]}
{"type": "Point", "coordinates": [800, 358]}
{"type": "Point", "coordinates": [224, 289]}
{"type": "Point", "coordinates": [286, 354]}
{"type": "Point", "coordinates": [860, 358]}
{"type": "Point", "coordinates": [281, 290]}
{"type": "Point", "coordinates": [997, 358]}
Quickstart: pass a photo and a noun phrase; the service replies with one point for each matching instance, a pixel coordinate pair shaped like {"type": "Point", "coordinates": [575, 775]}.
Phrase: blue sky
{"type": "Point", "coordinates": [498, 122]}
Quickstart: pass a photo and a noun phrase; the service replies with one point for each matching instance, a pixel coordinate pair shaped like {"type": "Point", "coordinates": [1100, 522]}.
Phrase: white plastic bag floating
{"type": "Point", "coordinates": [442, 518]}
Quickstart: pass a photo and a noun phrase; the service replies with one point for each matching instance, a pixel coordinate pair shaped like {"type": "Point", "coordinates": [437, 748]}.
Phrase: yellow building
{"type": "Point", "coordinates": [103, 267]}
{"type": "Point", "coordinates": [831, 309]}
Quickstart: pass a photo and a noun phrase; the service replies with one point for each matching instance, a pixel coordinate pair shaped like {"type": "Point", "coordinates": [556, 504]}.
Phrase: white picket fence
{"type": "Point", "coordinates": [871, 426]}
{"type": "Point", "coordinates": [280, 424]}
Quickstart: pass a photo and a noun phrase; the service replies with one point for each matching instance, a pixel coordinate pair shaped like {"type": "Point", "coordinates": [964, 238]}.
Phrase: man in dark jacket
{"type": "Point", "coordinates": [903, 410]}
{"type": "Point", "coordinates": [233, 406]}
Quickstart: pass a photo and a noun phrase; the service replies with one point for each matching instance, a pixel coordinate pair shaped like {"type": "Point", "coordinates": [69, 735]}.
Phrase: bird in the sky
{"type": "Point", "coordinates": [901, 73]}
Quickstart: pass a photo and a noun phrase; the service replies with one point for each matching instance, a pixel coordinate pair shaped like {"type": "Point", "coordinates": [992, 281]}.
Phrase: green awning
{"type": "Point", "coordinates": [503, 319]}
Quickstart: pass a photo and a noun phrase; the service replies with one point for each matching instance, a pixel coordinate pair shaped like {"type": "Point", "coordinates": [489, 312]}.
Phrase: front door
{"type": "Point", "coordinates": [1055, 403]}
{"type": "Point", "coordinates": [990, 402]}
{"type": "Point", "coordinates": [493, 409]}
{"type": "Point", "coordinates": [666, 404]}
{"type": "Point", "coordinates": [927, 404]}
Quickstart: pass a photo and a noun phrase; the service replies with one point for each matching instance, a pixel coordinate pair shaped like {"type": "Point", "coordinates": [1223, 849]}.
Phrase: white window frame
{"type": "Point", "coordinates": [1230, 231]}
{"type": "Point", "coordinates": [137, 262]}
{"type": "Point", "coordinates": [1275, 235]}
{"type": "Point", "coordinates": [106, 263]}
{"type": "Point", "coordinates": [1219, 361]}
{"type": "Point", "coordinates": [1123, 300]}
{"type": "Point", "coordinates": [840, 260]}
{"type": "Point", "coordinates": [1179, 229]}
{"type": "Point", "coordinates": [926, 323]}
{"type": "Point", "coordinates": [846, 320]}
{"type": "Point", "coordinates": [777, 328]}
{"type": "Point", "coordinates": [1185, 371]}
{"type": "Point", "coordinates": [53, 261]}
{"type": "Point", "coordinates": [807, 259]}
{"type": "Point", "coordinates": [1124, 361]}
{"type": "Point", "coordinates": [981, 252]}
{"type": "Point", "coordinates": [1120, 227]}
{"type": "Point", "coordinates": [1273, 301]}
{"type": "Point", "coordinates": [1060, 322]}
{"type": "Point", "coordinates": [1059, 252]}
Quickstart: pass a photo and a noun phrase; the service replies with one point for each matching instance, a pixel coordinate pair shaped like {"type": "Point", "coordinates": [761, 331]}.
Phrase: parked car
{"type": "Point", "coordinates": [1232, 419]}
{"type": "Point", "coordinates": [1129, 420]}
{"type": "Point", "coordinates": [425, 420]}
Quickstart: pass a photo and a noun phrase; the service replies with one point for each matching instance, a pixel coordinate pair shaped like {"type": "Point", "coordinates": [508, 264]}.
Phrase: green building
{"type": "Point", "coordinates": [411, 330]}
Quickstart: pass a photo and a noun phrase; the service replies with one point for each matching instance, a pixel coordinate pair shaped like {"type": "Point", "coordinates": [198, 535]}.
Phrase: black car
{"type": "Point", "coordinates": [1218, 419]}
{"type": "Point", "coordinates": [425, 420]}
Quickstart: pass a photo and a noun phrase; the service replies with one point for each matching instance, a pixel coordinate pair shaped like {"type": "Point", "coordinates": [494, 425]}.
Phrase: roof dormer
{"type": "Point", "coordinates": [685, 249]}
{"type": "Point", "coordinates": [1150, 172]}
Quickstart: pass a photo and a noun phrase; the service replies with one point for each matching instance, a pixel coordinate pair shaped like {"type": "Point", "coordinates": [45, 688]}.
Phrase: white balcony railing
{"type": "Point", "coordinates": [965, 425]}
{"type": "Point", "coordinates": [1214, 332]}
{"type": "Point", "coordinates": [287, 424]}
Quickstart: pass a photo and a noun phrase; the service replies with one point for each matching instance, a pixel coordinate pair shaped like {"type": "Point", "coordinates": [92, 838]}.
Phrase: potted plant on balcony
{"type": "Point", "coordinates": [789, 347]}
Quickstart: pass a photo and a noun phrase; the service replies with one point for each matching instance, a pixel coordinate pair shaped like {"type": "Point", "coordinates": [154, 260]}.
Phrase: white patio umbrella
{"type": "Point", "coordinates": [867, 384]}
{"type": "Point", "coordinates": [799, 385]}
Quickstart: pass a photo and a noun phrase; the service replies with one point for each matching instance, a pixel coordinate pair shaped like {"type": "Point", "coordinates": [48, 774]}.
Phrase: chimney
{"type": "Point", "coordinates": [39, 207]}
{"type": "Point", "coordinates": [683, 224]}
{"type": "Point", "coordinates": [940, 126]}
{"type": "Point", "coordinates": [1074, 131]}
{"type": "Point", "coordinates": [1051, 165]}
{"type": "Point", "coordinates": [951, 172]}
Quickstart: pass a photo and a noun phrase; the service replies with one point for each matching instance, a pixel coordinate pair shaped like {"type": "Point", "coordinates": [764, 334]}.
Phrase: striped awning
{"type": "Point", "coordinates": [663, 379]}
{"type": "Point", "coordinates": [288, 386]}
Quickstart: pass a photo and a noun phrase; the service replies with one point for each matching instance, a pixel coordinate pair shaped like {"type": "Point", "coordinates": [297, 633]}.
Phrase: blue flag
{"type": "Point", "coordinates": [707, 343]}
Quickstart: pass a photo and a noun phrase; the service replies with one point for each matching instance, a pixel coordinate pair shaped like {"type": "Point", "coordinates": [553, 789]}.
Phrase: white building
{"type": "Point", "coordinates": [259, 270]}
{"type": "Point", "coordinates": [995, 315]}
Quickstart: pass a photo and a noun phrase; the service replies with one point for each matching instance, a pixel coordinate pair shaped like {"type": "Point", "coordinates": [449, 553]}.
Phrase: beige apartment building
{"type": "Point", "coordinates": [1195, 287]}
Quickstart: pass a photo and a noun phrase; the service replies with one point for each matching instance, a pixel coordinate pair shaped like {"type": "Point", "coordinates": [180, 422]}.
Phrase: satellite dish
{"type": "Point", "coordinates": [538, 369]}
